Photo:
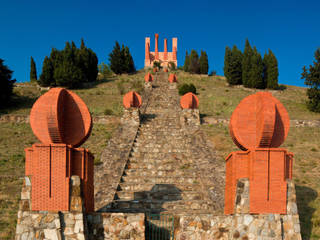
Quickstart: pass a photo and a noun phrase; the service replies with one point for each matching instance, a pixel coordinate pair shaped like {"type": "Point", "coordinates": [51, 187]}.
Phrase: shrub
{"type": "Point", "coordinates": [121, 87]}
{"type": "Point", "coordinates": [172, 66]}
{"type": "Point", "coordinates": [108, 111]}
{"type": "Point", "coordinates": [185, 88]}
{"type": "Point", "coordinates": [6, 84]}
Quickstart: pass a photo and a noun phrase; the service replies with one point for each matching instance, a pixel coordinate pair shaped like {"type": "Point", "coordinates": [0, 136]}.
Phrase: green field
{"type": "Point", "coordinates": [217, 100]}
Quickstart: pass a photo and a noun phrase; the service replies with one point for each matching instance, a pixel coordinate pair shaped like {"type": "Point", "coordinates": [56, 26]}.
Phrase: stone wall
{"type": "Point", "coordinates": [116, 154]}
{"type": "Point", "coordinates": [242, 225]}
{"type": "Point", "coordinates": [116, 226]}
{"type": "Point", "coordinates": [51, 225]}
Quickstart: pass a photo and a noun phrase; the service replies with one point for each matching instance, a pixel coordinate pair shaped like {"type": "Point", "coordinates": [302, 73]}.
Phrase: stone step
{"type": "Point", "coordinates": [160, 180]}
{"type": "Point", "coordinates": [183, 212]}
{"type": "Point", "coordinates": [152, 165]}
{"type": "Point", "coordinates": [160, 173]}
{"type": "Point", "coordinates": [168, 188]}
{"type": "Point", "coordinates": [147, 195]}
{"type": "Point", "coordinates": [157, 156]}
{"type": "Point", "coordinates": [162, 205]}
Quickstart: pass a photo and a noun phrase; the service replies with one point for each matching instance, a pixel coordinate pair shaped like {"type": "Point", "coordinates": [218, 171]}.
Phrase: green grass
{"type": "Point", "coordinates": [216, 98]}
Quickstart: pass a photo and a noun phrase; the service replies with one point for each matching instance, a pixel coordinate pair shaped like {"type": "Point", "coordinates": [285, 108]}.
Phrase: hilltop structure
{"type": "Point", "coordinates": [163, 57]}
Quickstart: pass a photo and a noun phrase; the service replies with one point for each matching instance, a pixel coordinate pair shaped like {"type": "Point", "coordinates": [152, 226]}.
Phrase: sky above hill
{"type": "Point", "coordinates": [290, 28]}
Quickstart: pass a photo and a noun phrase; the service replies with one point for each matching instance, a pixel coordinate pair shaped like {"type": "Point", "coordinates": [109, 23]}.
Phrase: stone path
{"type": "Point", "coordinates": [161, 174]}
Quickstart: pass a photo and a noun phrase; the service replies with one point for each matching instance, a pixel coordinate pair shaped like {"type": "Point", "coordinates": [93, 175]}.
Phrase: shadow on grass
{"type": "Point", "coordinates": [18, 102]}
{"type": "Point", "coordinates": [305, 195]}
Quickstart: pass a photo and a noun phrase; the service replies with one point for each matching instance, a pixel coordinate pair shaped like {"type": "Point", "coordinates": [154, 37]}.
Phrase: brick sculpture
{"type": "Point", "coordinates": [148, 77]}
{"type": "Point", "coordinates": [163, 57]}
{"type": "Point", "coordinates": [258, 126]}
{"type": "Point", "coordinates": [132, 100]}
{"type": "Point", "coordinates": [189, 101]}
{"type": "Point", "coordinates": [62, 122]}
{"type": "Point", "coordinates": [172, 78]}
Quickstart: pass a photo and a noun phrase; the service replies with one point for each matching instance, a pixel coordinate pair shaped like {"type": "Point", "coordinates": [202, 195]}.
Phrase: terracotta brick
{"type": "Point", "coordinates": [132, 99]}
{"type": "Point", "coordinates": [189, 100]}
{"type": "Point", "coordinates": [259, 125]}
{"type": "Point", "coordinates": [148, 77]}
{"type": "Point", "coordinates": [172, 78]}
{"type": "Point", "coordinates": [60, 116]}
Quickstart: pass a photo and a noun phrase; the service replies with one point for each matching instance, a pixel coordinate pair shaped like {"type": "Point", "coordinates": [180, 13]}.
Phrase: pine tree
{"type": "Point", "coordinates": [271, 70]}
{"type": "Point", "coordinates": [33, 71]}
{"type": "Point", "coordinates": [128, 61]}
{"type": "Point", "coordinates": [246, 64]}
{"type": "Point", "coordinates": [227, 60]}
{"type": "Point", "coordinates": [6, 84]}
{"type": "Point", "coordinates": [256, 71]}
{"type": "Point", "coordinates": [186, 62]}
{"type": "Point", "coordinates": [235, 66]}
{"type": "Point", "coordinates": [312, 79]}
{"type": "Point", "coordinates": [203, 62]}
{"type": "Point", "coordinates": [46, 77]}
{"type": "Point", "coordinates": [194, 66]}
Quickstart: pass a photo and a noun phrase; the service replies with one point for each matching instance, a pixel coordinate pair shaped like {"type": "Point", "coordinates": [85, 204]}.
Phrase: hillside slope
{"type": "Point", "coordinates": [217, 100]}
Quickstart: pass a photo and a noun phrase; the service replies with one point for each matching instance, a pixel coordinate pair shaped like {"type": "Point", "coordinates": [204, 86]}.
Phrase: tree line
{"type": "Point", "coordinates": [250, 69]}
{"type": "Point", "coordinates": [194, 64]}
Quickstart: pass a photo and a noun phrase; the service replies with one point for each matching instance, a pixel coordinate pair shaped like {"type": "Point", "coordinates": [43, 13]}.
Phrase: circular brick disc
{"type": "Point", "coordinates": [172, 78]}
{"type": "Point", "coordinates": [189, 100]}
{"type": "Point", "coordinates": [132, 99]}
{"type": "Point", "coordinates": [148, 77]}
{"type": "Point", "coordinates": [259, 121]}
{"type": "Point", "coordinates": [60, 116]}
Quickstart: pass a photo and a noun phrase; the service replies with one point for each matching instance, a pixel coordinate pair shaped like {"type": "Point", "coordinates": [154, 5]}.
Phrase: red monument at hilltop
{"type": "Point", "coordinates": [258, 126]}
{"type": "Point", "coordinates": [163, 57]}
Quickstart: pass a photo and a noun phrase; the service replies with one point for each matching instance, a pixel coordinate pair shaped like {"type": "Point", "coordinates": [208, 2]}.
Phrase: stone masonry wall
{"type": "Point", "coordinates": [242, 225]}
{"type": "Point", "coordinates": [116, 226]}
{"type": "Point", "coordinates": [51, 225]}
{"type": "Point", "coordinates": [116, 154]}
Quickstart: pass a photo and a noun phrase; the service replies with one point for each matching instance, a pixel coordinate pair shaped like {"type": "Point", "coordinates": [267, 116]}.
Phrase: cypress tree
{"type": "Point", "coordinates": [194, 66]}
{"type": "Point", "coordinates": [186, 62]}
{"type": "Point", "coordinates": [46, 77]}
{"type": "Point", "coordinates": [256, 71]}
{"type": "Point", "coordinates": [6, 84]}
{"type": "Point", "coordinates": [33, 71]}
{"type": "Point", "coordinates": [312, 79]}
{"type": "Point", "coordinates": [271, 71]}
{"type": "Point", "coordinates": [227, 60]}
{"type": "Point", "coordinates": [128, 61]}
{"type": "Point", "coordinates": [246, 64]}
{"type": "Point", "coordinates": [235, 67]}
{"type": "Point", "coordinates": [203, 62]}
{"type": "Point", "coordinates": [115, 59]}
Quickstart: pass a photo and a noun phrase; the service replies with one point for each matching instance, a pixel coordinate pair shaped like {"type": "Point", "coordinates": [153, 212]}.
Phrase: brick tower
{"type": "Point", "coordinates": [258, 126]}
{"type": "Point", "coordinates": [62, 122]}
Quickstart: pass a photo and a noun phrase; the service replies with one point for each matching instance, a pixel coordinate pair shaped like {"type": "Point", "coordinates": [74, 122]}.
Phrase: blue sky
{"type": "Point", "coordinates": [289, 28]}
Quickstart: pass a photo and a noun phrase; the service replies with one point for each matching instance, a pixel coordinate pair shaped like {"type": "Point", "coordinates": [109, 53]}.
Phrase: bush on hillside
{"type": "Point", "coordinates": [312, 79]}
{"type": "Point", "coordinates": [185, 88]}
{"type": "Point", "coordinates": [6, 84]}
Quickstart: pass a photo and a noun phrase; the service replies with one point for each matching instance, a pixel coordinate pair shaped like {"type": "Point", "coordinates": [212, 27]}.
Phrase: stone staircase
{"type": "Point", "coordinates": [160, 175]}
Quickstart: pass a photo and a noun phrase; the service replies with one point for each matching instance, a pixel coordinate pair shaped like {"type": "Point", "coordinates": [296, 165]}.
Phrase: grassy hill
{"type": "Point", "coordinates": [217, 100]}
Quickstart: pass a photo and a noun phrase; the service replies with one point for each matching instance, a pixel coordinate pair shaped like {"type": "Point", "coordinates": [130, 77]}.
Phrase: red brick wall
{"type": "Point", "coordinates": [267, 170]}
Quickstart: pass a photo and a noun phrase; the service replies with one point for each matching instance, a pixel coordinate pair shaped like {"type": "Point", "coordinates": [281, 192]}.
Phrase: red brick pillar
{"type": "Point", "coordinates": [156, 51]}
{"type": "Point", "coordinates": [165, 56]}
